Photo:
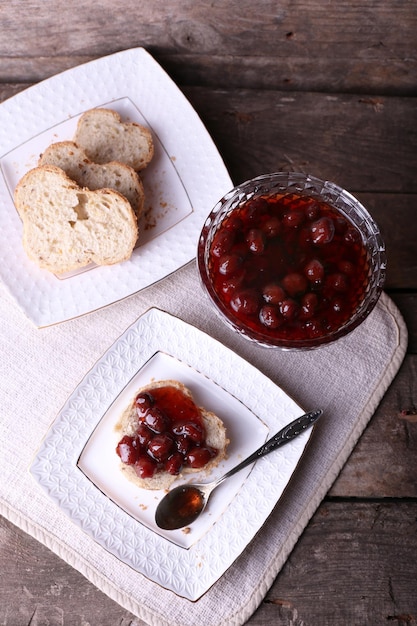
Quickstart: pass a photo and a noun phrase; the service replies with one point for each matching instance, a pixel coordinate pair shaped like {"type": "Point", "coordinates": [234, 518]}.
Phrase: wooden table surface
{"type": "Point", "coordinates": [328, 88]}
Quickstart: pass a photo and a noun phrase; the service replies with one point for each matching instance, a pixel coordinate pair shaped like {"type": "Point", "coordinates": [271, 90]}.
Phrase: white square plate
{"type": "Point", "coordinates": [182, 184]}
{"type": "Point", "coordinates": [100, 463]}
{"type": "Point", "coordinates": [88, 485]}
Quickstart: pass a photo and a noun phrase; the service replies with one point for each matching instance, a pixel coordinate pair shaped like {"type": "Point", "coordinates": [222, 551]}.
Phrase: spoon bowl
{"type": "Point", "coordinates": [184, 504]}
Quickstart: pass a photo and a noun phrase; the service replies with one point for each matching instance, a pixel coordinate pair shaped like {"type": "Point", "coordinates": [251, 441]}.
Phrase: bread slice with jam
{"type": "Point", "coordinates": [164, 435]}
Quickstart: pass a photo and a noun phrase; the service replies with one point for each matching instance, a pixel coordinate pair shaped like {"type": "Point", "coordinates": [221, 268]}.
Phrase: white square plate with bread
{"type": "Point", "coordinates": [120, 515]}
{"type": "Point", "coordinates": [182, 183]}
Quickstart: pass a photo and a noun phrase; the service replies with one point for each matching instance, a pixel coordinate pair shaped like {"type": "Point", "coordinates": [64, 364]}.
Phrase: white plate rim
{"type": "Point", "coordinates": [136, 77]}
{"type": "Point", "coordinates": [188, 573]}
{"type": "Point", "coordinates": [141, 504]}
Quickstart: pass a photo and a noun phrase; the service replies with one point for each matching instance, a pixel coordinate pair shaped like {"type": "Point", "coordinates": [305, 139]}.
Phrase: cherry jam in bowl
{"type": "Point", "coordinates": [291, 261]}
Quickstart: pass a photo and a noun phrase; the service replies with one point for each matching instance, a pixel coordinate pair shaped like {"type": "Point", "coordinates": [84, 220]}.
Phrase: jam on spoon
{"type": "Point", "coordinates": [183, 504]}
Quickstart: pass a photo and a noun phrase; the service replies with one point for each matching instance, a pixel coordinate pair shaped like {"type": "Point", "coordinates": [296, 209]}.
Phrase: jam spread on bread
{"type": "Point", "coordinates": [288, 266]}
{"type": "Point", "coordinates": [169, 434]}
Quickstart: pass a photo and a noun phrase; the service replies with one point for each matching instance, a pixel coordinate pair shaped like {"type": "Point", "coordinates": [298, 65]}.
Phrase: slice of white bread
{"type": "Point", "coordinates": [77, 166]}
{"type": "Point", "coordinates": [104, 138]}
{"type": "Point", "coordinates": [216, 437]}
{"type": "Point", "coordinates": [66, 227]}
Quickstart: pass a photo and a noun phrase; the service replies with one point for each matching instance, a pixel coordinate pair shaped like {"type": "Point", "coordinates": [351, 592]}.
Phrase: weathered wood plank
{"type": "Point", "coordinates": [363, 144]}
{"type": "Point", "coordinates": [327, 75]}
{"type": "Point", "coordinates": [306, 45]}
{"type": "Point", "coordinates": [308, 27]}
{"type": "Point", "coordinates": [355, 564]}
{"type": "Point", "coordinates": [356, 552]}
{"type": "Point", "coordinates": [289, 73]}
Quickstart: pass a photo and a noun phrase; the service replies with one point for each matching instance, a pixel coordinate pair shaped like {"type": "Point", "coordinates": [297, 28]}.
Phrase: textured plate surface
{"type": "Point", "coordinates": [140, 503]}
{"type": "Point", "coordinates": [182, 184]}
{"type": "Point", "coordinates": [187, 564]}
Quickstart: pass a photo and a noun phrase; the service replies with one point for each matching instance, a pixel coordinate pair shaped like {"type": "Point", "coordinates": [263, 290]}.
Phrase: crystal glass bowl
{"type": "Point", "coordinates": [291, 261]}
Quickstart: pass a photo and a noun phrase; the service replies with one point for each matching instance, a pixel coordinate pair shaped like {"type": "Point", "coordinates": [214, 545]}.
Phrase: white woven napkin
{"type": "Point", "coordinates": [40, 369]}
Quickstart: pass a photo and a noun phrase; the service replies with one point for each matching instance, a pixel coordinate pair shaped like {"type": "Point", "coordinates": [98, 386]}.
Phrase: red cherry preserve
{"type": "Point", "coordinates": [170, 434]}
{"type": "Point", "coordinates": [288, 267]}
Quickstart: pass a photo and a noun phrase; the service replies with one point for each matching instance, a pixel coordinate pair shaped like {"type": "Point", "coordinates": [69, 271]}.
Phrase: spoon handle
{"type": "Point", "coordinates": [286, 434]}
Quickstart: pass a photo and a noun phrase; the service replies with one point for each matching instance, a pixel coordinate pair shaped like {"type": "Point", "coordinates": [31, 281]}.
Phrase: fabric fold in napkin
{"type": "Point", "coordinates": [347, 380]}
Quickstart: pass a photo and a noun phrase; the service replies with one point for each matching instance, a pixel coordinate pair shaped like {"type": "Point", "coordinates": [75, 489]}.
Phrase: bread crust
{"type": "Point", "coordinates": [104, 137]}
{"type": "Point", "coordinates": [216, 436]}
{"type": "Point", "coordinates": [71, 158]}
{"type": "Point", "coordinates": [66, 227]}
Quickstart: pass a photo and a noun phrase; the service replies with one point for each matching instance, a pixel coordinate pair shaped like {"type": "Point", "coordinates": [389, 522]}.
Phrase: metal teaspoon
{"type": "Point", "coordinates": [183, 504]}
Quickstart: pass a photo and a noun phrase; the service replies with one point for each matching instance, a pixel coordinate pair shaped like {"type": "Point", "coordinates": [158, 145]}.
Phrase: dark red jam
{"type": "Point", "coordinates": [170, 434]}
{"type": "Point", "coordinates": [288, 267]}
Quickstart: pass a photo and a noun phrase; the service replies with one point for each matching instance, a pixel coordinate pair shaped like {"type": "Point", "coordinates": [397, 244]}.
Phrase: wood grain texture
{"type": "Point", "coordinates": [353, 566]}
{"type": "Point", "coordinates": [365, 144]}
{"type": "Point", "coordinates": [299, 45]}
